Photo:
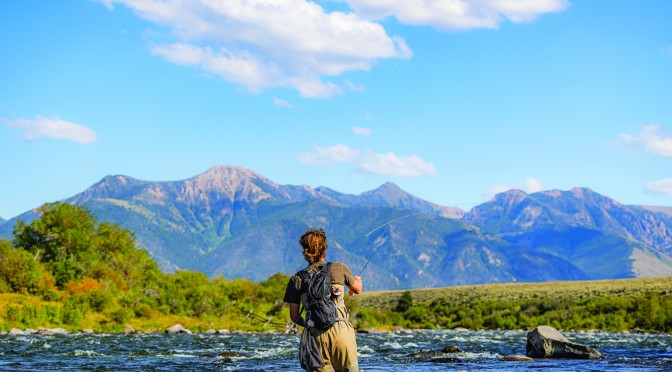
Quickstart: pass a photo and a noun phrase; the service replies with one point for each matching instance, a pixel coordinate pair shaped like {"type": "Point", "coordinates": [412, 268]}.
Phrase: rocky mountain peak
{"type": "Point", "coordinates": [228, 181]}
{"type": "Point", "coordinates": [388, 191]}
{"type": "Point", "coordinates": [111, 187]}
{"type": "Point", "coordinates": [510, 197]}
{"type": "Point", "coordinates": [223, 174]}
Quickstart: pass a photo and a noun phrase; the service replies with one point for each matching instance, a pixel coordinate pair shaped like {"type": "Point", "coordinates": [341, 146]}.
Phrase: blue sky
{"type": "Point", "coordinates": [453, 101]}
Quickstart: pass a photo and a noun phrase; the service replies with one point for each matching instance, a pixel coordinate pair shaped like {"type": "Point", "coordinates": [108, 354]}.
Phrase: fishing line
{"type": "Point", "coordinates": [371, 246]}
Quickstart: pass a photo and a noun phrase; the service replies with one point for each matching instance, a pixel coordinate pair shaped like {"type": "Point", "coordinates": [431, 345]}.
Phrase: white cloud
{"type": "Point", "coordinates": [456, 14]}
{"type": "Point", "coordinates": [653, 138]}
{"type": "Point", "coordinates": [283, 103]}
{"type": "Point", "coordinates": [54, 128]}
{"type": "Point", "coordinates": [660, 187]}
{"type": "Point", "coordinates": [329, 155]}
{"type": "Point", "coordinates": [362, 131]}
{"type": "Point", "coordinates": [530, 185]}
{"type": "Point", "coordinates": [370, 163]}
{"type": "Point", "coordinates": [266, 44]}
{"type": "Point", "coordinates": [389, 164]}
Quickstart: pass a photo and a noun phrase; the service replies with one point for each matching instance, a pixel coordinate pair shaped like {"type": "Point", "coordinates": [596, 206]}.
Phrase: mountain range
{"type": "Point", "coordinates": [234, 222]}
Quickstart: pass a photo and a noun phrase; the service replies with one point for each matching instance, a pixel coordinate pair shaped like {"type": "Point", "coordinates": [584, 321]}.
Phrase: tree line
{"type": "Point", "coordinates": [80, 270]}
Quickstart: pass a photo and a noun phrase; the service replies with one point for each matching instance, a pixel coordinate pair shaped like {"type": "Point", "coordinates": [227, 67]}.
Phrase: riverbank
{"type": "Point", "coordinates": [607, 305]}
{"type": "Point", "coordinates": [625, 305]}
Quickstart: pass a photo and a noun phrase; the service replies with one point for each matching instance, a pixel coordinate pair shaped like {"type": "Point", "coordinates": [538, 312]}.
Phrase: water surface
{"type": "Point", "coordinates": [378, 352]}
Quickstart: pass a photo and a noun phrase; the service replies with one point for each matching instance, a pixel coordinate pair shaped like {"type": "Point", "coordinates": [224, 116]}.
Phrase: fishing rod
{"type": "Point", "coordinates": [371, 246]}
{"type": "Point", "coordinates": [256, 318]}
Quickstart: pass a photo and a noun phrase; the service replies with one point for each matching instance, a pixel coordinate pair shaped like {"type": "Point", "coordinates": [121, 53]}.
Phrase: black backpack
{"type": "Point", "coordinates": [320, 309]}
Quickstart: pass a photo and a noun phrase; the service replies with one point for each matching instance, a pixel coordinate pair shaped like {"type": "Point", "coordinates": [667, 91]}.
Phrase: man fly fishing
{"type": "Point", "coordinates": [328, 340]}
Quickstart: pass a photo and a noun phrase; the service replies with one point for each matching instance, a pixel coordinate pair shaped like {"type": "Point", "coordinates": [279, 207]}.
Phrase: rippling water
{"type": "Point", "coordinates": [378, 352]}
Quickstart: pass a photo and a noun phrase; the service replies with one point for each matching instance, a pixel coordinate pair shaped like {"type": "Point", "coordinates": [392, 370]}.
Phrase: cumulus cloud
{"type": "Point", "coordinates": [456, 14]}
{"type": "Point", "coordinates": [362, 131]}
{"type": "Point", "coordinates": [301, 45]}
{"type": "Point", "coordinates": [660, 187]}
{"type": "Point", "coordinates": [41, 127]}
{"type": "Point", "coordinates": [652, 138]}
{"type": "Point", "coordinates": [266, 44]}
{"type": "Point", "coordinates": [369, 162]}
{"type": "Point", "coordinates": [530, 185]}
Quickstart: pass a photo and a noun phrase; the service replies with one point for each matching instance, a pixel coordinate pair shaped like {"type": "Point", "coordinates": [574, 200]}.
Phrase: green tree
{"type": "Point", "coordinates": [405, 302]}
{"type": "Point", "coordinates": [60, 238]}
{"type": "Point", "coordinates": [20, 273]}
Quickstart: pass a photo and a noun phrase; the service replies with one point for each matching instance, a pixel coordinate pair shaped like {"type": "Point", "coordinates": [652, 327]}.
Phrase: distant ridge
{"type": "Point", "coordinates": [663, 210]}
{"type": "Point", "coordinates": [234, 222]}
{"type": "Point", "coordinates": [597, 234]}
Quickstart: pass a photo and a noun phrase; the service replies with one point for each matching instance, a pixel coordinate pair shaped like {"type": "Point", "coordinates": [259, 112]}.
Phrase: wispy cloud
{"type": "Point", "coordinates": [267, 44]}
{"type": "Point", "coordinates": [283, 103]}
{"type": "Point", "coordinates": [456, 14]}
{"type": "Point", "coordinates": [652, 138]}
{"type": "Point", "coordinates": [362, 131]}
{"type": "Point", "coordinates": [41, 127]}
{"type": "Point", "coordinates": [660, 187]}
{"type": "Point", "coordinates": [530, 185]}
{"type": "Point", "coordinates": [369, 162]}
{"type": "Point", "coordinates": [329, 155]}
{"type": "Point", "coordinates": [390, 164]}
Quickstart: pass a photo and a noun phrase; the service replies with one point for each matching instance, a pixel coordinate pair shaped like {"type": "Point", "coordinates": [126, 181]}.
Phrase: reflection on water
{"type": "Point", "coordinates": [378, 352]}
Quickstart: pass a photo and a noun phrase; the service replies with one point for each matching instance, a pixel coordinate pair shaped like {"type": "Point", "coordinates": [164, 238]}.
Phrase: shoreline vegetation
{"type": "Point", "coordinates": [65, 270]}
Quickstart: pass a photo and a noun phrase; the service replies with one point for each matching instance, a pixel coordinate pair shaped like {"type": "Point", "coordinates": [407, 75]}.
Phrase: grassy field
{"type": "Point", "coordinates": [611, 305]}
{"type": "Point", "coordinates": [516, 292]}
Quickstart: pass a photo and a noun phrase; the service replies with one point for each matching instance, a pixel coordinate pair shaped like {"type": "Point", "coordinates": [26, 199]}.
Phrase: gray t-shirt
{"type": "Point", "coordinates": [340, 275]}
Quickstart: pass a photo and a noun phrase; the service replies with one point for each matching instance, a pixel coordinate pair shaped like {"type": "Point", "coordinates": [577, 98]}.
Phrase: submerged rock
{"type": "Point", "coordinates": [452, 349]}
{"type": "Point", "coordinates": [516, 358]}
{"type": "Point", "coordinates": [438, 356]}
{"type": "Point", "coordinates": [226, 354]}
{"type": "Point", "coordinates": [371, 330]}
{"type": "Point", "coordinates": [445, 360]}
{"type": "Point", "coordinates": [230, 354]}
{"type": "Point", "coordinates": [548, 342]}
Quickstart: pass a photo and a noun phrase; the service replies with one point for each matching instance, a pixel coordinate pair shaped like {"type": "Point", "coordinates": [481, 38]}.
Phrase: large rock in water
{"type": "Point", "coordinates": [177, 328]}
{"type": "Point", "coordinates": [548, 342]}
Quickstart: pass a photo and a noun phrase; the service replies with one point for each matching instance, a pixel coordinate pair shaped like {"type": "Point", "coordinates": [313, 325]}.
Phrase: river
{"type": "Point", "coordinates": [378, 352]}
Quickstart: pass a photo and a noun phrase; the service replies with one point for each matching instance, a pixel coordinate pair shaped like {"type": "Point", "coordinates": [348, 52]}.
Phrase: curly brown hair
{"type": "Point", "coordinates": [314, 243]}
